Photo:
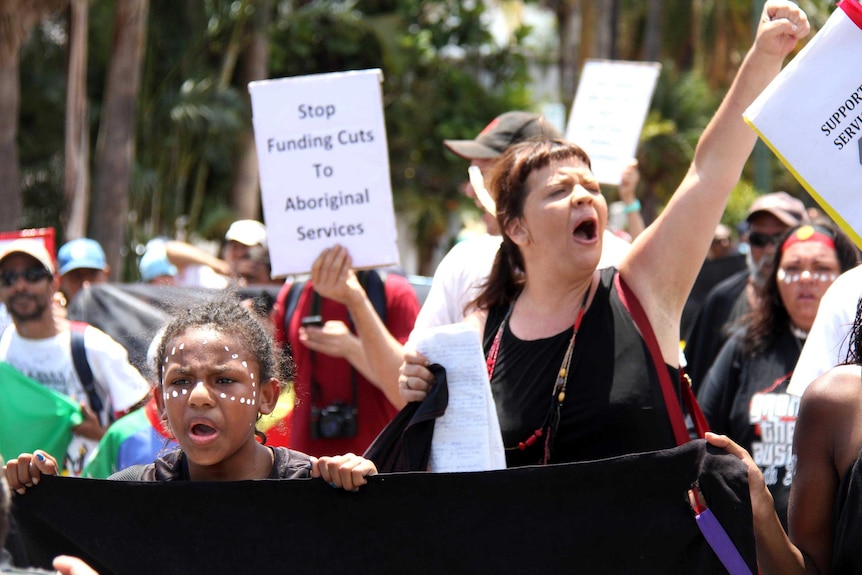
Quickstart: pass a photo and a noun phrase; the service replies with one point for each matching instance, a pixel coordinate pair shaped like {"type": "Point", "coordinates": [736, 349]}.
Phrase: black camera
{"type": "Point", "coordinates": [335, 420]}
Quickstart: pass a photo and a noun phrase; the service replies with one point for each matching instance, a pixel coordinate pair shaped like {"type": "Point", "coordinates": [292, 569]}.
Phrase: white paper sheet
{"type": "Point", "coordinates": [467, 437]}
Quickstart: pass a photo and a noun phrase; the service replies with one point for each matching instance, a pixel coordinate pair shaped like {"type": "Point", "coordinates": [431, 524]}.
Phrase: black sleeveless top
{"type": "Point", "coordinates": [613, 404]}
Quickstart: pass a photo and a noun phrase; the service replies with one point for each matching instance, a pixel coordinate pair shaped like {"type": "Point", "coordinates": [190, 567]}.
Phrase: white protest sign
{"type": "Point", "coordinates": [811, 117]}
{"type": "Point", "coordinates": [608, 113]}
{"type": "Point", "coordinates": [324, 169]}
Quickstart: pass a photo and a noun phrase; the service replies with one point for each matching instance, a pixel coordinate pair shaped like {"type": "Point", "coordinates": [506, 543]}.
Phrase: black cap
{"type": "Point", "coordinates": [504, 131]}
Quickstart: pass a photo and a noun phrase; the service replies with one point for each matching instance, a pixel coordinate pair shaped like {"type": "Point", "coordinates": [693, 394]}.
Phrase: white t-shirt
{"type": "Point", "coordinates": [460, 274]}
{"type": "Point", "coordinates": [828, 341]}
{"type": "Point", "coordinates": [49, 361]}
{"type": "Point", "coordinates": [5, 319]}
{"type": "Point", "coordinates": [200, 276]}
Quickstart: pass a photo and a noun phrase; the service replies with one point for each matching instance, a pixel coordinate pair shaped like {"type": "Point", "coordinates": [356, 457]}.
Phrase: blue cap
{"type": "Point", "coordinates": [81, 253]}
{"type": "Point", "coordinates": [154, 263]}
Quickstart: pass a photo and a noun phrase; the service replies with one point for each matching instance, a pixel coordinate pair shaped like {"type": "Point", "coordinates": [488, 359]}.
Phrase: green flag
{"type": "Point", "coordinates": [34, 417]}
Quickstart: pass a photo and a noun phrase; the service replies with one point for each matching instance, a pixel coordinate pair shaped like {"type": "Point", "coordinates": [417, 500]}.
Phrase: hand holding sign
{"type": "Point", "coordinates": [817, 136]}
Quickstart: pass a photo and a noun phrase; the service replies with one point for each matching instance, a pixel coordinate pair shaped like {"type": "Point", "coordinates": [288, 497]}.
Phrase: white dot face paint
{"type": "Point", "coordinates": [194, 372]}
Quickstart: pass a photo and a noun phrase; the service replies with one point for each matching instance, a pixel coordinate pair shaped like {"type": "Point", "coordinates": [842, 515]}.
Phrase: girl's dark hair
{"type": "Point", "coordinates": [508, 185]}
{"type": "Point", "coordinates": [766, 322]}
{"type": "Point", "coordinates": [854, 348]}
{"type": "Point", "coordinates": [228, 316]}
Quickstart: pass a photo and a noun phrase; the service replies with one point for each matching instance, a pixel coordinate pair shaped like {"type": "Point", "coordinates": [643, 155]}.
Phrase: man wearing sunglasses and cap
{"type": "Point", "coordinates": [40, 345]}
{"type": "Point", "coordinates": [769, 217]}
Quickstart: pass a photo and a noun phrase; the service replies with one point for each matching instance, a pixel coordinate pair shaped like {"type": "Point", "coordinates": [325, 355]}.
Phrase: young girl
{"type": "Point", "coordinates": [217, 372]}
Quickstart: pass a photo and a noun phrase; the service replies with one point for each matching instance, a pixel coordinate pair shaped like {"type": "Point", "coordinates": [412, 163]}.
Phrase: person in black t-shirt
{"type": "Point", "coordinates": [745, 395]}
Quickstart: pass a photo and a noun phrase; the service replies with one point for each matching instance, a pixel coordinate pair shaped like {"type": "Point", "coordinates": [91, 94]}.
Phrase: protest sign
{"type": "Point", "coordinates": [44, 236]}
{"type": "Point", "coordinates": [811, 117]}
{"type": "Point", "coordinates": [324, 169]}
{"type": "Point", "coordinates": [608, 113]}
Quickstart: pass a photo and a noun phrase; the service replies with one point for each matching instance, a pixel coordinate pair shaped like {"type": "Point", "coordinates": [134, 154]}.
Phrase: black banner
{"type": "Point", "coordinates": [623, 515]}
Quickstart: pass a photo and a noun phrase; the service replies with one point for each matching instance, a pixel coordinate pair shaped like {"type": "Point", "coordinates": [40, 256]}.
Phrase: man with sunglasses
{"type": "Point", "coordinates": [769, 217]}
{"type": "Point", "coordinates": [39, 345]}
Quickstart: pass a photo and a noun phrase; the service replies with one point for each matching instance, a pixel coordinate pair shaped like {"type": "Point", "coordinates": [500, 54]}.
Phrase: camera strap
{"type": "Point", "coordinates": [316, 391]}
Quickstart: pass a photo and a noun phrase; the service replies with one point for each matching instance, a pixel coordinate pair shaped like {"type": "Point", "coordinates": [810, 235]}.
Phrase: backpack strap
{"type": "Point", "coordinates": [291, 301]}
{"type": "Point", "coordinates": [671, 400]}
{"type": "Point", "coordinates": [374, 283]}
{"type": "Point", "coordinates": [82, 366]}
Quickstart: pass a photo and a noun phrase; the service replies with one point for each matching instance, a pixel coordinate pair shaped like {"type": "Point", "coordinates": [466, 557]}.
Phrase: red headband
{"type": "Point", "coordinates": [808, 234]}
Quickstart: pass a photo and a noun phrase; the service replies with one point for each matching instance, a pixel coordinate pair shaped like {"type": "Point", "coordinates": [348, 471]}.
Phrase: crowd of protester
{"type": "Point", "coordinates": [571, 372]}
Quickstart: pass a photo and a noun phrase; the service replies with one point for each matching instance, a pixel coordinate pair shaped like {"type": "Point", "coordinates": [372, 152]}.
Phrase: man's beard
{"type": "Point", "coordinates": [38, 309]}
{"type": "Point", "coordinates": [759, 270]}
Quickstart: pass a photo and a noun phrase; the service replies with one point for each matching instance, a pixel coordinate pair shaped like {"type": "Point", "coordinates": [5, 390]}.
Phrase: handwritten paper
{"type": "Point", "coordinates": [467, 437]}
{"type": "Point", "coordinates": [324, 169]}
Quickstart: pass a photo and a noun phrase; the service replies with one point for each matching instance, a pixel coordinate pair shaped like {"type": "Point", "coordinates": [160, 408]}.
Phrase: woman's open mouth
{"type": "Point", "coordinates": [586, 231]}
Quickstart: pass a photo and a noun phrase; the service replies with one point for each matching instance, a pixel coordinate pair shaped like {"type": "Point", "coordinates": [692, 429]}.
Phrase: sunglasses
{"type": "Point", "coordinates": [30, 275]}
{"type": "Point", "coordinates": [761, 240]}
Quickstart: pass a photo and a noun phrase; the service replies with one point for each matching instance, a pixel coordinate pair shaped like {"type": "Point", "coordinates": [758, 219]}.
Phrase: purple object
{"type": "Point", "coordinates": [720, 542]}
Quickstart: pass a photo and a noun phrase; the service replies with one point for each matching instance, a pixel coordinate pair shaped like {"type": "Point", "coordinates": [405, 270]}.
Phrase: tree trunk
{"type": "Point", "coordinates": [10, 177]}
{"type": "Point", "coordinates": [77, 191]}
{"type": "Point", "coordinates": [245, 189]}
{"type": "Point", "coordinates": [115, 145]}
{"type": "Point", "coordinates": [652, 41]}
{"type": "Point", "coordinates": [569, 24]}
{"type": "Point", "coordinates": [601, 23]}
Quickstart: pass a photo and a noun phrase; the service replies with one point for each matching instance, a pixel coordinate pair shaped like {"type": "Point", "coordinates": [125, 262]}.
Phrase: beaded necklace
{"type": "Point", "coordinates": [548, 428]}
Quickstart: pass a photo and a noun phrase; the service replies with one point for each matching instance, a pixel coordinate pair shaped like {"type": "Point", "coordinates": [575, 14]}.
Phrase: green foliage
{"type": "Point", "coordinates": [682, 106]}
{"type": "Point", "coordinates": [445, 77]}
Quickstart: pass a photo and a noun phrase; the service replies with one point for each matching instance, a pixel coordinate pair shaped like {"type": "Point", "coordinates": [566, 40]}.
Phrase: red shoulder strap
{"type": "Point", "coordinates": [674, 411]}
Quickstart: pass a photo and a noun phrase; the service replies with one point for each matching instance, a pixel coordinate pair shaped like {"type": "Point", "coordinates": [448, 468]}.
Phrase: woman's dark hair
{"type": "Point", "coordinates": [766, 322]}
{"type": "Point", "coordinates": [508, 185]}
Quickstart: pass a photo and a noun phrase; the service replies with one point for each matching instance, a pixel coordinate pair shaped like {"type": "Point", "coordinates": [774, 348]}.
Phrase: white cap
{"type": "Point", "coordinates": [247, 232]}
{"type": "Point", "coordinates": [31, 247]}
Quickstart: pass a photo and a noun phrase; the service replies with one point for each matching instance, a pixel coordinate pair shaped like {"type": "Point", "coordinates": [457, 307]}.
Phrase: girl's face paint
{"type": "Point", "coordinates": [211, 397]}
